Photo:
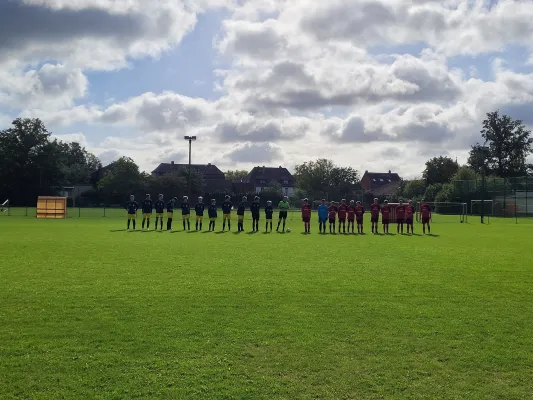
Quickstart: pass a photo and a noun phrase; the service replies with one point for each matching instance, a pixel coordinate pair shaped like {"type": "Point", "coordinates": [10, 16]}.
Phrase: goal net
{"type": "Point", "coordinates": [485, 207]}
{"type": "Point", "coordinates": [442, 212]}
{"type": "Point", "coordinates": [4, 206]}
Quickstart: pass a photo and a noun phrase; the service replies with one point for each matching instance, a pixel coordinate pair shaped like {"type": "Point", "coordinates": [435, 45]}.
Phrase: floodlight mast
{"type": "Point", "coordinates": [485, 150]}
{"type": "Point", "coordinates": [190, 139]}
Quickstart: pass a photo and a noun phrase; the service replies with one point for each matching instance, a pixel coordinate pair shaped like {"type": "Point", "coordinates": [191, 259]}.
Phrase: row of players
{"type": "Point", "coordinates": [352, 212]}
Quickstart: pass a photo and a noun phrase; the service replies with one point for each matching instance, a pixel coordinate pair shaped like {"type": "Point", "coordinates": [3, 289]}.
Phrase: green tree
{"type": "Point", "coordinates": [124, 179]}
{"type": "Point", "coordinates": [509, 145]}
{"type": "Point", "coordinates": [439, 170]}
{"type": "Point", "coordinates": [414, 189]}
{"type": "Point", "coordinates": [465, 173]}
{"type": "Point", "coordinates": [236, 175]}
{"type": "Point", "coordinates": [432, 191]}
{"type": "Point", "coordinates": [320, 177]}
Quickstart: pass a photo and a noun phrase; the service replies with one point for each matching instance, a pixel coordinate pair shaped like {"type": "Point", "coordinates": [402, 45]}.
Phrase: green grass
{"type": "Point", "coordinates": [88, 310]}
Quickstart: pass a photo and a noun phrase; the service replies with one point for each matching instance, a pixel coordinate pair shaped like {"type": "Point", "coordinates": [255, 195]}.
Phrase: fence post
{"type": "Point", "coordinates": [79, 211]}
{"type": "Point", "coordinates": [104, 211]}
{"type": "Point", "coordinates": [527, 183]}
{"type": "Point", "coordinates": [515, 206]}
{"type": "Point", "coordinates": [27, 211]}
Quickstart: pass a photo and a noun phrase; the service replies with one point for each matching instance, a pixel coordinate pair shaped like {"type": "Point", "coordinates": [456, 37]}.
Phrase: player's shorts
{"type": "Point", "coordinates": [212, 219]}
{"type": "Point", "coordinates": [170, 214]}
{"type": "Point", "coordinates": [306, 219]}
{"type": "Point", "coordinates": [147, 215]}
{"type": "Point", "coordinates": [159, 215]}
{"type": "Point", "coordinates": [269, 218]}
{"type": "Point", "coordinates": [409, 221]}
{"type": "Point", "coordinates": [185, 216]}
{"type": "Point", "coordinates": [227, 216]}
{"type": "Point", "coordinates": [240, 217]}
{"type": "Point", "coordinates": [359, 221]}
{"type": "Point", "coordinates": [400, 220]}
{"type": "Point", "coordinates": [283, 215]}
{"type": "Point", "coordinates": [199, 217]}
{"type": "Point", "coordinates": [342, 220]}
{"type": "Point", "coordinates": [332, 220]}
{"type": "Point", "coordinates": [374, 219]}
{"type": "Point", "coordinates": [255, 217]}
{"type": "Point", "coordinates": [132, 216]}
{"type": "Point", "coordinates": [425, 220]}
{"type": "Point", "coordinates": [385, 221]}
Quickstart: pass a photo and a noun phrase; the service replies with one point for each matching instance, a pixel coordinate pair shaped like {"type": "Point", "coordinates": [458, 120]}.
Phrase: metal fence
{"type": "Point", "coordinates": [499, 197]}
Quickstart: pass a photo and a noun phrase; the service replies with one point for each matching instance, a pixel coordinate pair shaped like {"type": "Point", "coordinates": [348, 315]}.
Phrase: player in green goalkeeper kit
{"type": "Point", "coordinates": [283, 211]}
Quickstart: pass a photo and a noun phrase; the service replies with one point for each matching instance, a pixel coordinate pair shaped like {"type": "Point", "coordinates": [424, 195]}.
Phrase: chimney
{"type": "Point", "coordinates": [208, 163]}
{"type": "Point", "coordinates": [389, 171]}
{"type": "Point", "coordinates": [172, 162]}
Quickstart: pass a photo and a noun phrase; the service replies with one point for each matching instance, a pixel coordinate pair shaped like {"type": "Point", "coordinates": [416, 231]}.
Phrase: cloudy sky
{"type": "Point", "coordinates": [375, 84]}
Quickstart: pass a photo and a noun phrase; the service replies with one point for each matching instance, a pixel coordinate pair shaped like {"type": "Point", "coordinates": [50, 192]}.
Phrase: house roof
{"type": "Point", "coordinates": [382, 178]}
{"type": "Point", "coordinates": [269, 174]}
{"type": "Point", "coordinates": [208, 170]}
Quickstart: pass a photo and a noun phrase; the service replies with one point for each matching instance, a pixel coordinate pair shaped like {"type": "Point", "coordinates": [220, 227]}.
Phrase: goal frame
{"type": "Point", "coordinates": [463, 215]}
{"type": "Point", "coordinates": [475, 201]}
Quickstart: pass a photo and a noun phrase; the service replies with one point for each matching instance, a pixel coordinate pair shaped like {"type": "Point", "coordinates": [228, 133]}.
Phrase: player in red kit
{"type": "Point", "coordinates": [332, 216]}
{"type": "Point", "coordinates": [343, 210]}
{"type": "Point", "coordinates": [351, 216]}
{"type": "Point", "coordinates": [374, 215]}
{"type": "Point", "coordinates": [409, 215]}
{"type": "Point", "coordinates": [400, 217]}
{"type": "Point", "coordinates": [359, 213]}
{"type": "Point", "coordinates": [385, 216]}
{"type": "Point", "coordinates": [306, 215]}
{"type": "Point", "coordinates": [425, 215]}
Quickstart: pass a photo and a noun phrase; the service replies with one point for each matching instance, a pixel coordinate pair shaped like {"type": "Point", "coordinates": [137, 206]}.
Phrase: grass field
{"type": "Point", "coordinates": [88, 310]}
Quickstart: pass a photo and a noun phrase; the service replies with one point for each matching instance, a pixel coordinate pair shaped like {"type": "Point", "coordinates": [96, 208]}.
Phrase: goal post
{"type": "Point", "coordinates": [445, 211]}
{"type": "Point", "coordinates": [482, 207]}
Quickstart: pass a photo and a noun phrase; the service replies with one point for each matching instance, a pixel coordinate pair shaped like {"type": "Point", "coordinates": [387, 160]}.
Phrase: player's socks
{"type": "Point", "coordinates": [161, 224]}
{"type": "Point", "coordinates": [128, 224]}
{"type": "Point", "coordinates": [200, 226]}
{"type": "Point", "coordinates": [144, 220]}
{"type": "Point", "coordinates": [188, 225]}
{"type": "Point", "coordinates": [223, 225]}
{"type": "Point", "coordinates": [284, 225]}
{"type": "Point", "coordinates": [196, 225]}
{"type": "Point", "coordinates": [279, 223]}
{"type": "Point", "coordinates": [229, 226]}
{"type": "Point", "coordinates": [133, 224]}
{"type": "Point", "coordinates": [429, 229]}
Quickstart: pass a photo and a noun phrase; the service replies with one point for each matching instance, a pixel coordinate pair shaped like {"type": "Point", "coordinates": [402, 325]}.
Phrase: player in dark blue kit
{"type": "Point", "coordinates": [170, 212]}
{"type": "Point", "coordinates": [199, 209]}
{"type": "Point", "coordinates": [212, 212]}
{"type": "Point", "coordinates": [148, 206]}
{"type": "Point", "coordinates": [227, 206]}
{"type": "Point", "coordinates": [255, 209]}
{"type": "Point", "coordinates": [240, 214]}
{"type": "Point", "coordinates": [159, 210]}
{"type": "Point", "coordinates": [132, 206]}
{"type": "Point", "coordinates": [269, 212]}
{"type": "Point", "coordinates": [186, 212]}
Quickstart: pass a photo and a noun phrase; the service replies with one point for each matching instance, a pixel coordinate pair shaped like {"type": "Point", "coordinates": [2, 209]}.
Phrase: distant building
{"type": "Point", "coordinates": [261, 178]}
{"type": "Point", "coordinates": [99, 174]}
{"type": "Point", "coordinates": [381, 183]}
{"type": "Point", "coordinates": [214, 178]}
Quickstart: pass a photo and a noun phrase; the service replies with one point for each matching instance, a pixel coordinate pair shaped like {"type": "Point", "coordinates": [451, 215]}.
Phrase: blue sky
{"type": "Point", "coordinates": [268, 80]}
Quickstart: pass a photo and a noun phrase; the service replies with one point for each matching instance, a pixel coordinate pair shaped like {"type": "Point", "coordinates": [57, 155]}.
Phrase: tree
{"type": "Point", "coordinates": [432, 191]}
{"type": "Point", "coordinates": [465, 173]}
{"type": "Point", "coordinates": [509, 145]}
{"type": "Point", "coordinates": [323, 176]}
{"type": "Point", "coordinates": [236, 175]}
{"type": "Point", "coordinates": [414, 189]}
{"type": "Point", "coordinates": [439, 170]}
{"type": "Point", "coordinates": [124, 179]}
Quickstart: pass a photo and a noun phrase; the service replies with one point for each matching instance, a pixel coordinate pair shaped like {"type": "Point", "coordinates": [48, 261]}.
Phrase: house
{"type": "Point", "coordinates": [381, 183]}
{"type": "Point", "coordinates": [214, 178]}
{"type": "Point", "coordinates": [262, 177]}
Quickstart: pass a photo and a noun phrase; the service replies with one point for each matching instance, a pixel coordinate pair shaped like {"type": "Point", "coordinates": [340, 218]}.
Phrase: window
{"type": "Point", "coordinates": [381, 180]}
{"type": "Point", "coordinates": [390, 180]}
{"type": "Point", "coordinates": [373, 180]}
{"type": "Point", "coordinates": [285, 182]}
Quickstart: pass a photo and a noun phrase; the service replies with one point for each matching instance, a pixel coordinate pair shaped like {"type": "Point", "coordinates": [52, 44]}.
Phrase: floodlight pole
{"type": "Point", "coordinates": [190, 139]}
{"type": "Point", "coordinates": [484, 181]}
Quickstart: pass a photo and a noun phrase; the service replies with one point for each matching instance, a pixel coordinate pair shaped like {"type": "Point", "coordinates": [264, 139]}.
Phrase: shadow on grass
{"type": "Point", "coordinates": [206, 231]}
{"type": "Point", "coordinates": [192, 231]}
{"type": "Point", "coordinates": [251, 233]}
{"type": "Point", "coordinates": [432, 235]}
{"type": "Point", "coordinates": [414, 234]}
{"type": "Point", "coordinates": [118, 230]}
{"type": "Point", "coordinates": [220, 233]}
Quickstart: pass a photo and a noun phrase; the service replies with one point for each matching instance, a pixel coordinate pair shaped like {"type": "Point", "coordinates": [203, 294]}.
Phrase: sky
{"type": "Point", "coordinates": [374, 84]}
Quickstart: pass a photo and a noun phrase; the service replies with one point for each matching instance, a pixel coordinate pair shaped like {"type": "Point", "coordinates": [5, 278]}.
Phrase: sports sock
{"type": "Point", "coordinates": [128, 224]}
{"type": "Point", "coordinates": [184, 224]}
{"type": "Point", "coordinates": [284, 224]}
{"type": "Point", "coordinates": [148, 223]}
{"type": "Point", "coordinates": [229, 226]}
{"type": "Point", "coordinates": [200, 225]}
{"type": "Point", "coordinates": [196, 225]}
{"type": "Point", "coordinates": [224, 225]}
{"type": "Point", "coordinates": [133, 224]}
{"type": "Point", "coordinates": [279, 223]}
{"type": "Point", "coordinates": [144, 220]}
{"type": "Point", "coordinates": [429, 229]}
{"type": "Point", "coordinates": [188, 225]}
{"type": "Point", "coordinates": [270, 226]}
{"type": "Point", "coordinates": [161, 223]}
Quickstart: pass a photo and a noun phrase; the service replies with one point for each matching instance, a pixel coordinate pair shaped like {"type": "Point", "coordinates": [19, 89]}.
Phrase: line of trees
{"type": "Point", "coordinates": [503, 155]}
